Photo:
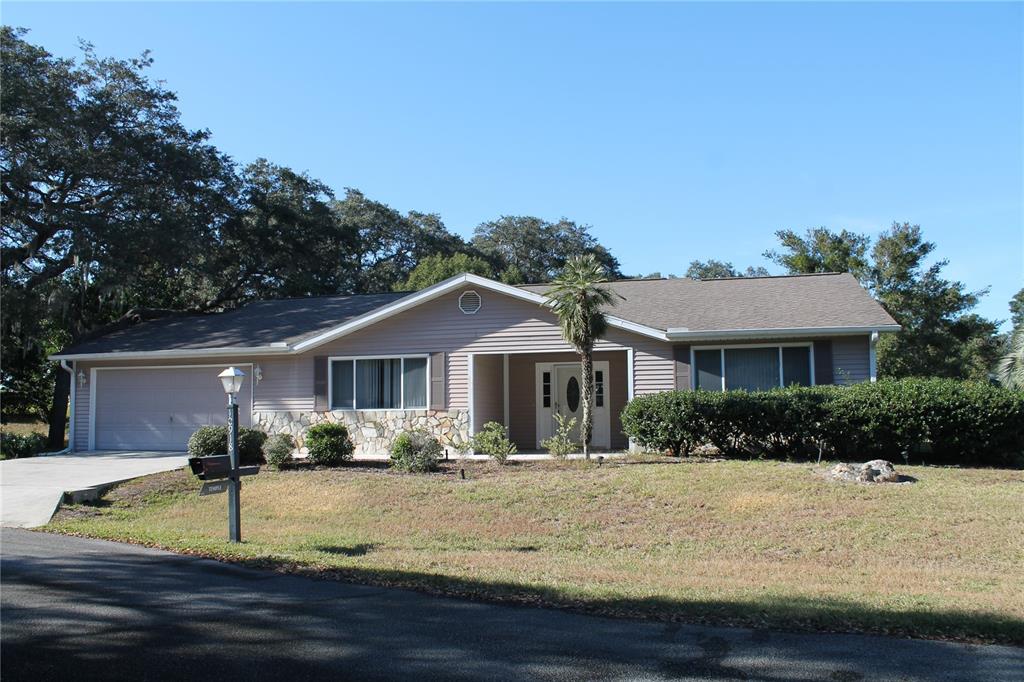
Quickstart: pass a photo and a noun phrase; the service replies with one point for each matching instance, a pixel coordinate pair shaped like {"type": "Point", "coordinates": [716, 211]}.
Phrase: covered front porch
{"type": "Point", "coordinates": [524, 392]}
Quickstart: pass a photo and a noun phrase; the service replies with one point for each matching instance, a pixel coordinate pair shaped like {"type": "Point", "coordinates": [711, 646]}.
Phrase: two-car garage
{"type": "Point", "coordinates": [158, 408]}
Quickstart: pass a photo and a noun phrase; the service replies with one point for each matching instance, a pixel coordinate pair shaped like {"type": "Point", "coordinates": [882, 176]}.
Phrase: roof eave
{"type": "Point", "coordinates": [683, 334]}
{"type": "Point", "coordinates": [237, 351]}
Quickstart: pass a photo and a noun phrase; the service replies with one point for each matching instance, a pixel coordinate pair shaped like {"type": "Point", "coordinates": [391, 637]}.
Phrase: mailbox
{"type": "Point", "coordinates": [210, 468]}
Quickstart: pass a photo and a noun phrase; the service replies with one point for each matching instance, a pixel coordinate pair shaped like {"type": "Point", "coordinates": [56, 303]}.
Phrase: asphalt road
{"type": "Point", "coordinates": [76, 609]}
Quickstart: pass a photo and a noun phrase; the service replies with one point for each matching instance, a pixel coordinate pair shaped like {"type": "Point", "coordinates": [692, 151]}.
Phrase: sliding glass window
{"type": "Point", "coordinates": [379, 384]}
{"type": "Point", "coordinates": [757, 368]}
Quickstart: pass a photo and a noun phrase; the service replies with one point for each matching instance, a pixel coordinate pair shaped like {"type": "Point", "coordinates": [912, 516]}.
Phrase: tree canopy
{"type": "Point", "coordinates": [537, 249]}
{"type": "Point", "coordinates": [438, 267]}
{"type": "Point", "coordinates": [940, 336]}
{"type": "Point", "coordinates": [716, 269]}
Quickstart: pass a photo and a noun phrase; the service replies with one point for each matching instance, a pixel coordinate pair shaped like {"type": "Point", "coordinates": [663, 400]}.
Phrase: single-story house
{"type": "Point", "coordinates": [461, 353]}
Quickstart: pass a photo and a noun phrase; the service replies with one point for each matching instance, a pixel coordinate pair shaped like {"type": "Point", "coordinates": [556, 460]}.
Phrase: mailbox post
{"type": "Point", "coordinates": [232, 379]}
{"type": "Point", "coordinates": [222, 473]}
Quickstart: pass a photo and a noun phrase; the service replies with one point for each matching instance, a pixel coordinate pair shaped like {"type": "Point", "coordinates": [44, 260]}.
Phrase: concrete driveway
{"type": "Point", "coordinates": [31, 489]}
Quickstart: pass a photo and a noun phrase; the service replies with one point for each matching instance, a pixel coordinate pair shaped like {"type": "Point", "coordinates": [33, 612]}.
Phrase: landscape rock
{"type": "Point", "coordinates": [875, 471]}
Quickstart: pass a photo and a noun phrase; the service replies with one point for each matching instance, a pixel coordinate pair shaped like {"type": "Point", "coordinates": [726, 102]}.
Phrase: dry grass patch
{"type": "Point", "coordinates": [757, 543]}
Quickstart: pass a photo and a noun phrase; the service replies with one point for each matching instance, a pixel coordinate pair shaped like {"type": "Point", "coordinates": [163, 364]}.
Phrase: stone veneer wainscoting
{"type": "Point", "coordinates": [372, 431]}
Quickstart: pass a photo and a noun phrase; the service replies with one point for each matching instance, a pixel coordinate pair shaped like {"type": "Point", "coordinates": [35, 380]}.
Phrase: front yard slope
{"type": "Point", "coordinates": [749, 543]}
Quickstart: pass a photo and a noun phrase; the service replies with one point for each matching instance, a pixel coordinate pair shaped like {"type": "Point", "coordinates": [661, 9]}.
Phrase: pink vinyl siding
{"type": "Point", "coordinates": [488, 390]}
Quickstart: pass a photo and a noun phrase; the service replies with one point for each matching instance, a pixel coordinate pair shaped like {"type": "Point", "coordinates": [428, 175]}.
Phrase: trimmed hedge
{"type": "Point", "coordinates": [213, 440]}
{"type": "Point", "coordinates": [939, 421]}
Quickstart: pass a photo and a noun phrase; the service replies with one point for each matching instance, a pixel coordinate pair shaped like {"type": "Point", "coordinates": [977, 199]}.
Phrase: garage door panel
{"type": "Point", "coordinates": [158, 409]}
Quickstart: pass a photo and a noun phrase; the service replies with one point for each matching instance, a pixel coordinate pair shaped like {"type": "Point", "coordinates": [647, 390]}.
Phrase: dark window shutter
{"type": "Point", "coordinates": [681, 355]}
{"type": "Point", "coordinates": [437, 383]}
{"type": "Point", "coordinates": [320, 384]}
{"type": "Point", "coordinates": [823, 362]}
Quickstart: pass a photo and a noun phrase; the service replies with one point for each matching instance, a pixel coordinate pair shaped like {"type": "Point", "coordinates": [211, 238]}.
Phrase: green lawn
{"type": "Point", "coordinates": [753, 543]}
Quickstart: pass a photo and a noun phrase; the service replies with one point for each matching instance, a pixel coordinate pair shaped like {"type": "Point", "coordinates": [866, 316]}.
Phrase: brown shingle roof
{"type": "Point", "coordinates": [261, 323]}
{"type": "Point", "coordinates": [786, 302]}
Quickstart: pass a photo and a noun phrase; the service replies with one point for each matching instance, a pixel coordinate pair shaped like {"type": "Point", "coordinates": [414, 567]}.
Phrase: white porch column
{"type": "Point", "coordinates": [504, 384]}
{"type": "Point", "coordinates": [470, 361]}
{"type": "Point", "coordinates": [630, 446]}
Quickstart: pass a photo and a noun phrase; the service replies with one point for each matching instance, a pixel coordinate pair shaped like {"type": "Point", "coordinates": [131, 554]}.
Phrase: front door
{"type": "Point", "coordinates": [568, 399]}
{"type": "Point", "coordinates": [559, 391]}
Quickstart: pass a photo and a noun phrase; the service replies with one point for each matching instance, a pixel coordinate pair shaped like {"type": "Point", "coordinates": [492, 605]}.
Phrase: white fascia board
{"type": "Point", "coordinates": [677, 334]}
{"type": "Point", "coordinates": [179, 353]}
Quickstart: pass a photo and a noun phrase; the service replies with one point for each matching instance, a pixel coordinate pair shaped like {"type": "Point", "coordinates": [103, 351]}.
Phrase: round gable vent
{"type": "Point", "coordinates": [469, 302]}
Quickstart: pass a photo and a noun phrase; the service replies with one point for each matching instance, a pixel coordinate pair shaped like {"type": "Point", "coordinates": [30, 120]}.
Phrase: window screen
{"type": "Point", "coordinates": [796, 366]}
{"type": "Point", "coordinates": [379, 384]}
{"type": "Point", "coordinates": [709, 369]}
{"type": "Point", "coordinates": [341, 385]}
{"type": "Point", "coordinates": [415, 378]}
{"type": "Point", "coordinates": [751, 369]}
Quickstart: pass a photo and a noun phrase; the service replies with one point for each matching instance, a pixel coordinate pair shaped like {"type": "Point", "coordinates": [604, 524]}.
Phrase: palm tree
{"type": "Point", "coordinates": [1010, 370]}
{"type": "Point", "coordinates": [577, 299]}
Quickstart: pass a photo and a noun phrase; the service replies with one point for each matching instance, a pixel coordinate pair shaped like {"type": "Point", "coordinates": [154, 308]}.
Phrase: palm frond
{"type": "Point", "coordinates": [1010, 370]}
{"type": "Point", "coordinates": [578, 299]}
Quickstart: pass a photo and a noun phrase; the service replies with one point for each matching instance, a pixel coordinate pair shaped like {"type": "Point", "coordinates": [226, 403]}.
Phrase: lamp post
{"type": "Point", "coordinates": [232, 379]}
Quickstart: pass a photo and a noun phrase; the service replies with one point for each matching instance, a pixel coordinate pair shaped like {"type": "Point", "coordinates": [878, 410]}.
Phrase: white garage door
{"type": "Point", "coordinates": [158, 409]}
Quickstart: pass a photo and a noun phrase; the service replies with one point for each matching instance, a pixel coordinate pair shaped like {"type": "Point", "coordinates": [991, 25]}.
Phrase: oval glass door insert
{"type": "Point", "coordinates": [572, 394]}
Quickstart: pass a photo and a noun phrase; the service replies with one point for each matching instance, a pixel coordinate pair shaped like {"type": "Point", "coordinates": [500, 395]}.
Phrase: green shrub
{"type": "Point", "coordinates": [666, 422]}
{"type": "Point", "coordinates": [415, 451]}
{"type": "Point", "coordinates": [213, 440]}
{"type": "Point", "coordinates": [561, 444]}
{"type": "Point", "coordinates": [329, 444]}
{"type": "Point", "coordinates": [940, 421]}
{"type": "Point", "coordinates": [493, 441]}
{"type": "Point", "coordinates": [278, 449]}
{"type": "Point", "coordinates": [16, 446]}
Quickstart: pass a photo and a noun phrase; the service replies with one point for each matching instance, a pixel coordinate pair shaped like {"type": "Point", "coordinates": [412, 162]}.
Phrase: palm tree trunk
{"type": "Point", "coordinates": [587, 427]}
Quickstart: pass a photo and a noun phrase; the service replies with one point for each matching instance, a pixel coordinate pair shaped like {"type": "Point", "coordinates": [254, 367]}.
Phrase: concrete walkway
{"type": "Point", "coordinates": [31, 489]}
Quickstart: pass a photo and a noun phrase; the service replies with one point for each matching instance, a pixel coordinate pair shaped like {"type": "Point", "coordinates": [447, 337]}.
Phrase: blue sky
{"type": "Point", "coordinates": [678, 131]}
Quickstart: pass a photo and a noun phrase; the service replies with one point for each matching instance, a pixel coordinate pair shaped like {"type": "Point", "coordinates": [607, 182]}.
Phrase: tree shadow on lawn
{"type": "Point", "coordinates": [95, 617]}
{"type": "Point", "coordinates": [787, 613]}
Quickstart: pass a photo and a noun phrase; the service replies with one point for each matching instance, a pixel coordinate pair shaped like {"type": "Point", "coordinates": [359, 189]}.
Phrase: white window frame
{"type": "Point", "coordinates": [355, 399]}
{"type": "Point", "coordinates": [722, 348]}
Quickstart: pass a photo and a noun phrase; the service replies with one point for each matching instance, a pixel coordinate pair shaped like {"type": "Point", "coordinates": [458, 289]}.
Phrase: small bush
{"type": "Point", "coordinates": [16, 446]}
{"type": "Point", "coordinates": [937, 421]}
{"type": "Point", "coordinates": [213, 440]}
{"type": "Point", "coordinates": [278, 449]}
{"type": "Point", "coordinates": [493, 441]}
{"type": "Point", "coordinates": [415, 451]}
{"type": "Point", "coordinates": [561, 444]}
{"type": "Point", "coordinates": [329, 444]}
{"type": "Point", "coordinates": [666, 422]}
